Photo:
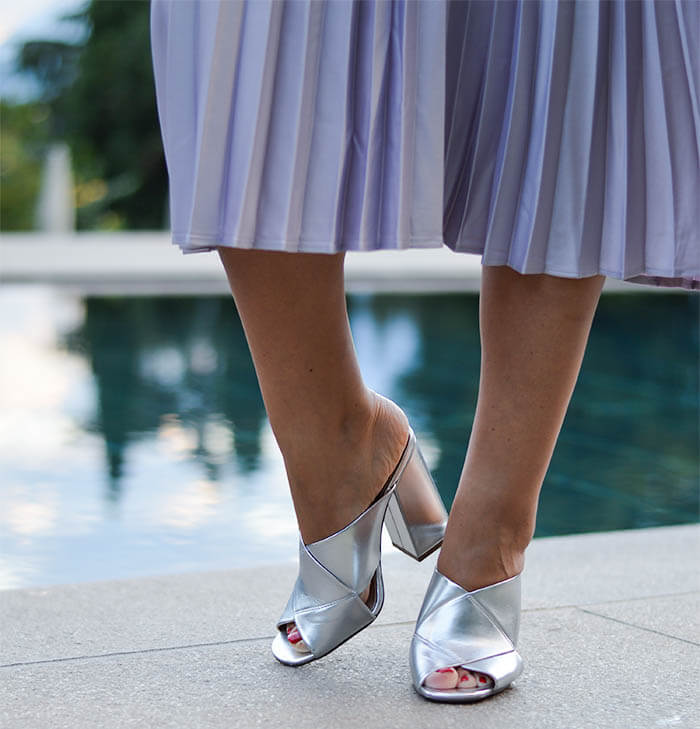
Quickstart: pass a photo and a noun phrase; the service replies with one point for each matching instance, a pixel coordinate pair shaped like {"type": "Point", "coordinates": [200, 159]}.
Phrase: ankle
{"type": "Point", "coordinates": [388, 433]}
{"type": "Point", "coordinates": [336, 472]}
{"type": "Point", "coordinates": [479, 563]}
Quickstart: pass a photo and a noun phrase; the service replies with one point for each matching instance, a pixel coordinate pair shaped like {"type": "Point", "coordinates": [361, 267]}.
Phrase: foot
{"type": "Point", "coordinates": [473, 565]}
{"type": "Point", "coordinates": [366, 454]}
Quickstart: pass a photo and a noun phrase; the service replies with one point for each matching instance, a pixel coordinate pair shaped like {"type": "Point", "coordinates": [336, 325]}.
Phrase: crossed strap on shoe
{"type": "Point", "coordinates": [325, 603]}
{"type": "Point", "coordinates": [476, 630]}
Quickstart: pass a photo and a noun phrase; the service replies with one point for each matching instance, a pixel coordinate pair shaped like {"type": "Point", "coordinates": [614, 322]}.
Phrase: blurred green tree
{"type": "Point", "coordinates": [25, 131]}
{"type": "Point", "coordinates": [101, 97]}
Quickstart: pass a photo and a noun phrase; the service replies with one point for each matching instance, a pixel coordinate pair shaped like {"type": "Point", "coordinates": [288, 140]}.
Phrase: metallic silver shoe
{"type": "Point", "coordinates": [474, 630]}
{"type": "Point", "coordinates": [325, 603]}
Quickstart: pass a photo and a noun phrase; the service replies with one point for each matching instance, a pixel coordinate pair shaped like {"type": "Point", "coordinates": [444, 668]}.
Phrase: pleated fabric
{"type": "Point", "coordinates": [301, 126]}
{"type": "Point", "coordinates": [573, 137]}
{"type": "Point", "coordinates": [552, 137]}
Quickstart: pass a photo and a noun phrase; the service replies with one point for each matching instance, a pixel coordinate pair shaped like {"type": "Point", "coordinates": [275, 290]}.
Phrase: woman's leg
{"type": "Point", "coordinates": [340, 441]}
{"type": "Point", "coordinates": [534, 330]}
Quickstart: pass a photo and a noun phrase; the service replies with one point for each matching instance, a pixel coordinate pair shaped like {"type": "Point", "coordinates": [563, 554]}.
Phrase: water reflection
{"type": "Point", "coordinates": [135, 439]}
{"type": "Point", "coordinates": [628, 454]}
{"type": "Point", "coordinates": [179, 367]}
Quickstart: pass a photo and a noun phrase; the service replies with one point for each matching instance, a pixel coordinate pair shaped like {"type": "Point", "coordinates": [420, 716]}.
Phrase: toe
{"type": "Point", "coordinates": [442, 679]}
{"type": "Point", "coordinates": [467, 679]}
{"type": "Point", "coordinates": [473, 680]}
{"type": "Point", "coordinates": [483, 681]}
{"type": "Point", "coordinates": [294, 637]}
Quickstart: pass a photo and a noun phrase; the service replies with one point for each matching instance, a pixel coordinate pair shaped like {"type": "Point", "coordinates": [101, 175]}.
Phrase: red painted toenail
{"type": "Point", "coordinates": [482, 679]}
{"type": "Point", "coordinates": [444, 670]}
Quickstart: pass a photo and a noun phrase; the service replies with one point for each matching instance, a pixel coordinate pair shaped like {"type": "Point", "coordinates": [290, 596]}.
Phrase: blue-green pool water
{"type": "Point", "coordinates": [134, 439]}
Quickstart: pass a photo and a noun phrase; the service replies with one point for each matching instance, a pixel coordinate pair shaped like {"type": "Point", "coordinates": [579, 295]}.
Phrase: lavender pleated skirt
{"type": "Point", "coordinates": [552, 137]}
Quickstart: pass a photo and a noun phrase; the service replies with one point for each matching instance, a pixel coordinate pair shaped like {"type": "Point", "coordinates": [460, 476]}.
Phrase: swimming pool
{"type": "Point", "coordinates": [134, 439]}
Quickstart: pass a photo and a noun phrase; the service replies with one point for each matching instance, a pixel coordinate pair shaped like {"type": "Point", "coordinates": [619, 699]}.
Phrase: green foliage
{"type": "Point", "coordinates": [22, 145]}
{"type": "Point", "coordinates": [101, 96]}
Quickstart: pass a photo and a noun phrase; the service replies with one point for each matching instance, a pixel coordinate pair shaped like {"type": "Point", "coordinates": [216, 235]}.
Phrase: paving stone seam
{"type": "Point", "coordinates": [185, 646]}
{"type": "Point", "coordinates": [617, 600]}
{"type": "Point", "coordinates": [114, 654]}
{"type": "Point", "coordinates": [655, 596]}
{"type": "Point", "coordinates": [396, 624]}
{"type": "Point", "coordinates": [639, 627]}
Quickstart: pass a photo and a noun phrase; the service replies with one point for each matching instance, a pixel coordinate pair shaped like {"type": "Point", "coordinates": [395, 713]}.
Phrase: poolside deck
{"type": "Point", "coordinates": [610, 636]}
{"type": "Point", "coordinates": [148, 264]}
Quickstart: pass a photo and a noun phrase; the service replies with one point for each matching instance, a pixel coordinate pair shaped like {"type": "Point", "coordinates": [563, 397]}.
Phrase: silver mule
{"type": "Point", "coordinates": [476, 630]}
{"type": "Point", "coordinates": [325, 603]}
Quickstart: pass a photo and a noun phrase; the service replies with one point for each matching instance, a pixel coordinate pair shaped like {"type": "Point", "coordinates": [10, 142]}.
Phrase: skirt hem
{"type": "Point", "coordinates": [198, 243]}
{"type": "Point", "coordinates": [648, 277]}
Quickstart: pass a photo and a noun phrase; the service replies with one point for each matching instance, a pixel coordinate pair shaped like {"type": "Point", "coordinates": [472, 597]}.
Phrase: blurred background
{"type": "Point", "coordinates": [99, 151]}
{"type": "Point", "coordinates": [133, 438]}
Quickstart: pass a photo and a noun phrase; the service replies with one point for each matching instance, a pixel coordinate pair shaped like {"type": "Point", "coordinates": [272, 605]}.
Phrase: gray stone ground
{"type": "Point", "coordinates": [610, 636]}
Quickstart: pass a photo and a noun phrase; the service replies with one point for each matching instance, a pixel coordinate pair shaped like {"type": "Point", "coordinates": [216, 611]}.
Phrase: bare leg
{"type": "Point", "coordinates": [340, 440]}
{"type": "Point", "coordinates": [534, 330]}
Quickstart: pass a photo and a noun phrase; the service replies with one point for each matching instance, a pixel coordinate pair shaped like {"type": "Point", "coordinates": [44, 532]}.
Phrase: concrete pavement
{"type": "Point", "coordinates": [610, 637]}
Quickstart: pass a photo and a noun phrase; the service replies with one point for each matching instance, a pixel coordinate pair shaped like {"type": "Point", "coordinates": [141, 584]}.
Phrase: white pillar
{"type": "Point", "coordinates": [56, 206]}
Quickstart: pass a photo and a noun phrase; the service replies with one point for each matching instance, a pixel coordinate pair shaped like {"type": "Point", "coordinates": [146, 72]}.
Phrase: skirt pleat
{"type": "Point", "coordinates": [574, 151]}
{"type": "Point", "coordinates": [552, 137]}
{"type": "Point", "coordinates": [301, 126]}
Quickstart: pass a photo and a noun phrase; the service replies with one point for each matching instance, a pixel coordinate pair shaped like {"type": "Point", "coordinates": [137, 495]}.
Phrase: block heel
{"type": "Point", "coordinates": [416, 517]}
